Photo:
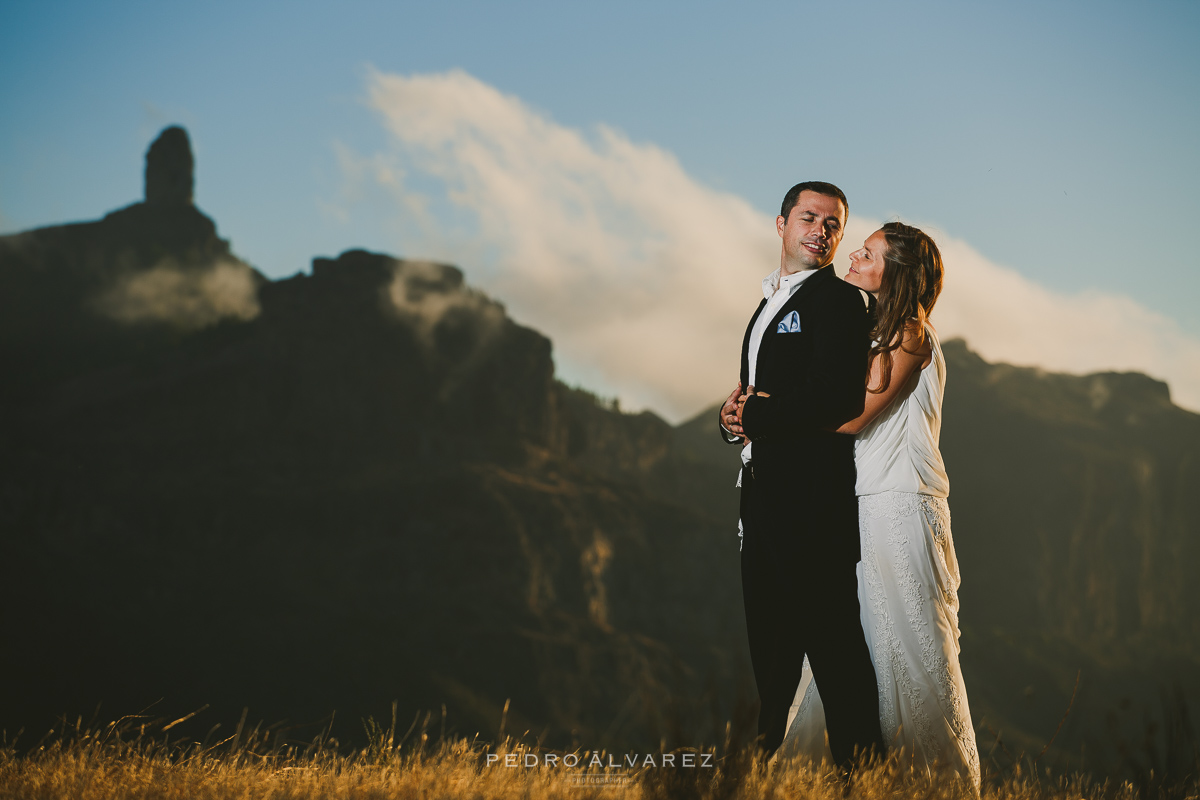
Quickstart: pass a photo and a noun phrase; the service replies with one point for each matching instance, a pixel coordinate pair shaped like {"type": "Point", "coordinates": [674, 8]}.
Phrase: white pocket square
{"type": "Point", "coordinates": [789, 324]}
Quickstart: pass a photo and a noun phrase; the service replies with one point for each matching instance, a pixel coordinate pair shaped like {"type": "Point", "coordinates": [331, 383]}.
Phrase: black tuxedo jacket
{"type": "Point", "coordinates": [816, 379]}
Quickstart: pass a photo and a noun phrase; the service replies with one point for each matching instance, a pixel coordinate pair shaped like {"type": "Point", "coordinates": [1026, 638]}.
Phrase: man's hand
{"type": "Point", "coordinates": [741, 406]}
{"type": "Point", "coordinates": [731, 414]}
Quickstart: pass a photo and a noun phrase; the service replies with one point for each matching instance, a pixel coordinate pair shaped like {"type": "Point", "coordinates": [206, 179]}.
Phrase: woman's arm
{"type": "Point", "coordinates": [904, 364]}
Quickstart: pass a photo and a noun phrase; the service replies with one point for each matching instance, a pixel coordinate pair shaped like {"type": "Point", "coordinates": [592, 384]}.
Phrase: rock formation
{"type": "Point", "coordinates": [169, 167]}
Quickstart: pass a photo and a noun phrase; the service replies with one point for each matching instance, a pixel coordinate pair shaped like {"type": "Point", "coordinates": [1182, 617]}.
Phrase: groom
{"type": "Point", "coordinates": [804, 367]}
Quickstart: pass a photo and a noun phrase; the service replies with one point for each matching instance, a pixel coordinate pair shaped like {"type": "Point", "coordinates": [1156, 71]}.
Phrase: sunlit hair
{"type": "Point", "coordinates": [908, 290]}
{"type": "Point", "coordinates": [820, 187]}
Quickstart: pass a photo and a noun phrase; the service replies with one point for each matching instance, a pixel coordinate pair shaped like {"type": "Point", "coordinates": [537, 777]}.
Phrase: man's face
{"type": "Point", "coordinates": [811, 232]}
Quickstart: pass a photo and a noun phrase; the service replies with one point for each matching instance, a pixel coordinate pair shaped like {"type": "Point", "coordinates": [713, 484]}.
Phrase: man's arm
{"type": "Point", "coordinates": [833, 389]}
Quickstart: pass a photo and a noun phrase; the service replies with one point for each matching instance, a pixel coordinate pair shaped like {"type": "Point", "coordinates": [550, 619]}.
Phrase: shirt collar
{"type": "Point", "coordinates": [789, 283]}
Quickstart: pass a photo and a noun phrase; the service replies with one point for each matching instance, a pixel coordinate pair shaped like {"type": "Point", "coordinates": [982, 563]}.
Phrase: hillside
{"type": "Point", "coordinates": [364, 484]}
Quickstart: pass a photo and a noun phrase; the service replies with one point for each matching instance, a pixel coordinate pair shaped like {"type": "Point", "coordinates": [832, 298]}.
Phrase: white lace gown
{"type": "Point", "coordinates": [907, 589]}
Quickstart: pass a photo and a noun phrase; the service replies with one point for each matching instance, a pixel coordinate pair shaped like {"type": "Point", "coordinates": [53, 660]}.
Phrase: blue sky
{"type": "Point", "coordinates": [1055, 139]}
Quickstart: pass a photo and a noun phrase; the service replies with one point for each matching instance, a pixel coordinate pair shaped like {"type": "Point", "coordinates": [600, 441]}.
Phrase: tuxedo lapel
{"type": "Point", "coordinates": [805, 290]}
{"type": "Point", "coordinates": [822, 275]}
{"type": "Point", "coordinates": [745, 373]}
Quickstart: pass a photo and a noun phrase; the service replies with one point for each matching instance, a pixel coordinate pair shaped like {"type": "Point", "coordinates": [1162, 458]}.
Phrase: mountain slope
{"type": "Point", "coordinates": [364, 484]}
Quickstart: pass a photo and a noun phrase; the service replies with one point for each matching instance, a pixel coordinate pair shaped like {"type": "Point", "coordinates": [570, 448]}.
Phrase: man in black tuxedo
{"type": "Point", "coordinates": [804, 366]}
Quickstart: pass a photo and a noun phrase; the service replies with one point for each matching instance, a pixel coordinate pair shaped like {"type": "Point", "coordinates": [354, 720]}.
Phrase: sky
{"type": "Point", "coordinates": [611, 172]}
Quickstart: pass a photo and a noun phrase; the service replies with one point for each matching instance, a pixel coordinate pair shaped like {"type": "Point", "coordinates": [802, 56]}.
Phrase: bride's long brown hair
{"type": "Point", "coordinates": [911, 283]}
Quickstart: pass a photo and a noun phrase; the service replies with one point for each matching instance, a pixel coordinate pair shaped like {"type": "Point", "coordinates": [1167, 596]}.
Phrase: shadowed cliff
{"type": "Point", "coordinates": [344, 488]}
{"type": "Point", "coordinates": [365, 484]}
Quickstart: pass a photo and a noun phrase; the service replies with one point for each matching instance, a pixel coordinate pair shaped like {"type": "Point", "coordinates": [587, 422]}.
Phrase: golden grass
{"type": "Point", "coordinates": [124, 760]}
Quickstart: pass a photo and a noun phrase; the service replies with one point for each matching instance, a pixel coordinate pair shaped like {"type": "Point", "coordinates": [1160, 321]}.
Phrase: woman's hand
{"type": "Point", "coordinates": [730, 418]}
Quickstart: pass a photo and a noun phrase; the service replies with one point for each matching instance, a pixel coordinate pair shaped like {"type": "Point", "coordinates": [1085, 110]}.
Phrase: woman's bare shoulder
{"type": "Point", "coordinates": [916, 344]}
{"type": "Point", "coordinates": [914, 339]}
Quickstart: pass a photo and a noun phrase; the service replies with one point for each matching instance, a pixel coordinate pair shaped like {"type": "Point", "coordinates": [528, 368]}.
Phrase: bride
{"type": "Point", "coordinates": [908, 577]}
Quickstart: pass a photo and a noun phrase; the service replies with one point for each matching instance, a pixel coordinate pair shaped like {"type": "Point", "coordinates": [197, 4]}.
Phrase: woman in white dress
{"type": "Point", "coordinates": [908, 577]}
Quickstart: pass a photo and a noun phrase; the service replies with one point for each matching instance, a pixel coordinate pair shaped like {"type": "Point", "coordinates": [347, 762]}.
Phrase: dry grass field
{"type": "Point", "coordinates": [134, 758]}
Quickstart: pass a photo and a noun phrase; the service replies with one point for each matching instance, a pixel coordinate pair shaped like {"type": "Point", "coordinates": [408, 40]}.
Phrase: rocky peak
{"type": "Point", "coordinates": [169, 168]}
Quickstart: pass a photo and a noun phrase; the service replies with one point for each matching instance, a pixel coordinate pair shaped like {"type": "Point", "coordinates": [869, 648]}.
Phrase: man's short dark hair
{"type": "Point", "coordinates": [820, 187]}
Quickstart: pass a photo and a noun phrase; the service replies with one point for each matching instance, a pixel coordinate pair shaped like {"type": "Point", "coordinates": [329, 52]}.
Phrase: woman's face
{"type": "Point", "coordinates": [866, 263]}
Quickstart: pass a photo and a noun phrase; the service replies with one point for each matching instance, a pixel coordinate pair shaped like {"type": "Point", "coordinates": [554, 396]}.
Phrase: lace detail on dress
{"type": "Point", "coordinates": [934, 698]}
{"type": "Point", "coordinates": [891, 669]}
{"type": "Point", "coordinates": [806, 705]}
{"type": "Point", "coordinates": [952, 691]}
{"type": "Point", "coordinates": [937, 515]}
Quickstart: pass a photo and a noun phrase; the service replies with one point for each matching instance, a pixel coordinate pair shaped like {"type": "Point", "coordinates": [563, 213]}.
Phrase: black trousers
{"type": "Point", "coordinates": [801, 597]}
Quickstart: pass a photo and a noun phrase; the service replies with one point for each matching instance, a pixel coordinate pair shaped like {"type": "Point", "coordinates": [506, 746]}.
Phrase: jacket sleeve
{"type": "Point", "coordinates": [833, 388]}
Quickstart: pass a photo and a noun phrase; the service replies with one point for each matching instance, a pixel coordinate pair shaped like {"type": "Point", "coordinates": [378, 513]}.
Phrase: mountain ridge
{"type": "Point", "coordinates": [365, 483]}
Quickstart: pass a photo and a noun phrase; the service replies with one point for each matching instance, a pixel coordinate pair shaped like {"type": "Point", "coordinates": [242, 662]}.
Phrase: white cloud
{"type": "Point", "coordinates": [189, 297]}
{"type": "Point", "coordinates": [644, 278]}
{"type": "Point", "coordinates": [1008, 317]}
{"type": "Point", "coordinates": [420, 294]}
